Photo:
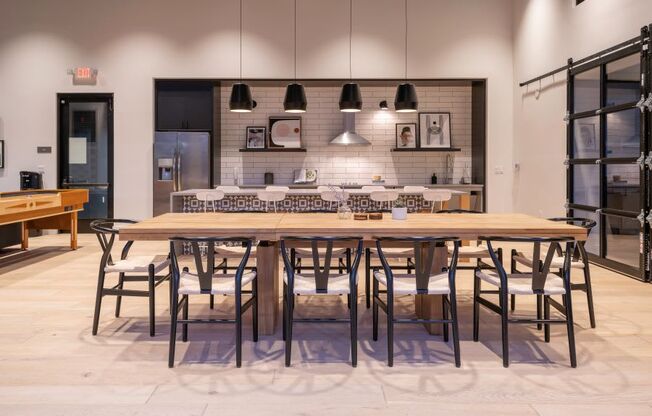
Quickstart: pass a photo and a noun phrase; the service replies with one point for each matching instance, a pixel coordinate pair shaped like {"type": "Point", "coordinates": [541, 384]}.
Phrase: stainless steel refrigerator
{"type": "Point", "coordinates": [181, 162]}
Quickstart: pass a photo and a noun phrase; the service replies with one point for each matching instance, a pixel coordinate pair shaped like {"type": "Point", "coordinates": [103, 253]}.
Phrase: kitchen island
{"type": "Point", "coordinates": [304, 198]}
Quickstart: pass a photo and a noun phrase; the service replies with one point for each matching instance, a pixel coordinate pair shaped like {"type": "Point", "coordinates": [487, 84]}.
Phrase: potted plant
{"type": "Point", "coordinates": [399, 210]}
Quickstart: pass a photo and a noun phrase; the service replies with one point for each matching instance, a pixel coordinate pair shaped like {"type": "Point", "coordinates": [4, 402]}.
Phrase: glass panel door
{"type": "Point", "coordinates": [606, 142]}
{"type": "Point", "coordinates": [86, 152]}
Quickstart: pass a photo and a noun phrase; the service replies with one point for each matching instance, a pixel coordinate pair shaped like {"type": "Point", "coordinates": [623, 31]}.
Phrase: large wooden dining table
{"type": "Point", "coordinates": [269, 228]}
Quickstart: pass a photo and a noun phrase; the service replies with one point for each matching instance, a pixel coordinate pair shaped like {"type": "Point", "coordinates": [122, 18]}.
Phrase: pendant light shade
{"type": "Point", "coordinates": [295, 99]}
{"type": "Point", "coordinates": [350, 99]}
{"type": "Point", "coordinates": [241, 101]}
{"type": "Point", "coordinates": [406, 98]}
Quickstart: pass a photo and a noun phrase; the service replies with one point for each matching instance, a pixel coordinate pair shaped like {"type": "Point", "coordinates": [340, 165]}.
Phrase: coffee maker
{"type": "Point", "coordinates": [31, 180]}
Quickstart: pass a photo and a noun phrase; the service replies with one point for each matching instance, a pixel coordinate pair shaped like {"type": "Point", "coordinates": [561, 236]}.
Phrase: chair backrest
{"type": "Point", "coordinates": [540, 272]}
{"type": "Point", "coordinates": [588, 224]}
{"type": "Point", "coordinates": [227, 188]}
{"type": "Point", "coordinates": [326, 188]}
{"type": "Point", "coordinates": [106, 230]}
{"type": "Point", "coordinates": [384, 196]}
{"type": "Point", "coordinates": [371, 188]}
{"type": "Point", "coordinates": [424, 257]}
{"type": "Point", "coordinates": [437, 195]}
{"type": "Point", "coordinates": [321, 271]}
{"type": "Point", "coordinates": [205, 270]}
{"type": "Point", "coordinates": [414, 189]}
{"type": "Point", "coordinates": [334, 196]}
{"type": "Point", "coordinates": [270, 196]}
{"type": "Point", "coordinates": [209, 196]}
{"type": "Point", "coordinates": [277, 188]}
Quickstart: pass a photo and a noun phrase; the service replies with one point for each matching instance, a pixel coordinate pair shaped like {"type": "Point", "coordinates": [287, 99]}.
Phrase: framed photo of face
{"type": "Point", "coordinates": [435, 130]}
{"type": "Point", "coordinates": [255, 137]}
{"type": "Point", "coordinates": [284, 132]}
{"type": "Point", "coordinates": [406, 135]}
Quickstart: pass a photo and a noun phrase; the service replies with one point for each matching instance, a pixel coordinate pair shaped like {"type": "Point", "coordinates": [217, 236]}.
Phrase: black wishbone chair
{"type": "Point", "coordinates": [129, 269]}
{"type": "Point", "coordinates": [478, 252]}
{"type": "Point", "coordinates": [540, 282]}
{"type": "Point", "coordinates": [320, 282]}
{"type": "Point", "coordinates": [423, 282]}
{"type": "Point", "coordinates": [205, 281]}
{"type": "Point", "coordinates": [580, 260]}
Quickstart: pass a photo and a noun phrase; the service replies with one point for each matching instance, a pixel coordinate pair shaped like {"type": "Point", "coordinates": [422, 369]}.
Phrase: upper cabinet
{"type": "Point", "coordinates": [184, 105]}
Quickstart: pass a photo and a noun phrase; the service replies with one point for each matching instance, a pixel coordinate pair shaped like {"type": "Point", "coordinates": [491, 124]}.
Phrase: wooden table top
{"type": "Point", "coordinates": [272, 226]}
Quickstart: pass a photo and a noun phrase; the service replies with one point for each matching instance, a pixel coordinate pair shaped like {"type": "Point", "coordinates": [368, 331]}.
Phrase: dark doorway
{"type": "Point", "coordinates": [85, 157]}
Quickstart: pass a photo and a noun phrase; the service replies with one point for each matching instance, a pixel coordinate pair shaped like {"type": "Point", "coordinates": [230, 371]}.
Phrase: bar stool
{"type": "Point", "coordinates": [423, 282]}
{"type": "Point", "coordinates": [210, 197]}
{"type": "Point", "coordinates": [285, 189]}
{"type": "Point", "coordinates": [414, 189]}
{"type": "Point", "coordinates": [384, 196]}
{"type": "Point", "coordinates": [367, 189]}
{"type": "Point", "coordinates": [129, 269]}
{"type": "Point", "coordinates": [321, 283]}
{"type": "Point", "coordinates": [272, 196]}
{"type": "Point", "coordinates": [539, 282]}
{"type": "Point", "coordinates": [336, 196]}
{"type": "Point", "coordinates": [203, 281]}
{"type": "Point", "coordinates": [437, 195]}
{"type": "Point", "coordinates": [579, 260]}
{"type": "Point", "coordinates": [227, 189]}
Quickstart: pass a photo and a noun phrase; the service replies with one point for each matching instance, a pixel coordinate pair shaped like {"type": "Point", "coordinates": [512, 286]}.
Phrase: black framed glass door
{"type": "Point", "coordinates": [608, 139]}
{"type": "Point", "coordinates": [86, 152]}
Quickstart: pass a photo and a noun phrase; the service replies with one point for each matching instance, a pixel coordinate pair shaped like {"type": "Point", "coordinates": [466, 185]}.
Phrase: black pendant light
{"type": "Point", "coordinates": [406, 100]}
{"type": "Point", "coordinates": [241, 100]}
{"type": "Point", "coordinates": [350, 98]}
{"type": "Point", "coordinates": [295, 96]}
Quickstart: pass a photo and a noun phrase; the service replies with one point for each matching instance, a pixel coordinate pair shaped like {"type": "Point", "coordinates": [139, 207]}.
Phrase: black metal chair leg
{"type": "Point", "coordinates": [589, 293]}
{"type": "Point", "coordinates": [504, 324]}
{"type": "Point", "coordinates": [390, 329]}
{"type": "Point", "coordinates": [238, 327]}
{"type": "Point", "coordinates": [571, 329]}
{"type": "Point", "coordinates": [212, 302]}
{"type": "Point", "coordinates": [444, 313]}
{"type": "Point", "coordinates": [546, 315]}
{"type": "Point", "coordinates": [254, 309]}
{"type": "Point", "coordinates": [348, 260]}
{"type": "Point", "coordinates": [512, 299]}
{"type": "Point", "coordinates": [98, 301]}
{"type": "Point", "coordinates": [118, 301]}
{"type": "Point", "coordinates": [476, 307]}
{"type": "Point", "coordinates": [354, 328]}
{"type": "Point", "coordinates": [375, 311]}
{"type": "Point", "coordinates": [173, 329]}
{"type": "Point", "coordinates": [152, 300]}
{"type": "Point", "coordinates": [288, 333]}
{"type": "Point", "coordinates": [285, 311]}
{"type": "Point", "coordinates": [539, 309]}
{"type": "Point", "coordinates": [455, 329]}
{"type": "Point", "coordinates": [186, 301]}
{"type": "Point", "coordinates": [512, 303]}
{"type": "Point", "coordinates": [367, 276]}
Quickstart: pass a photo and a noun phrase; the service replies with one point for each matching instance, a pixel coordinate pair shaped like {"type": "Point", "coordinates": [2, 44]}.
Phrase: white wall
{"type": "Point", "coordinates": [132, 42]}
{"type": "Point", "coordinates": [546, 34]}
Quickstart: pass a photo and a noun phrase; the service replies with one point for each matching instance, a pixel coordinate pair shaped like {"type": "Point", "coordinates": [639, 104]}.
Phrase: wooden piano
{"type": "Point", "coordinates": [43, 210]}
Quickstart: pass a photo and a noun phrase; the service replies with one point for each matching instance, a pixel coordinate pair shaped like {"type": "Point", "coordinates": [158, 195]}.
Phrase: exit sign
{"type": "Point", "coordinates": [83, 75]}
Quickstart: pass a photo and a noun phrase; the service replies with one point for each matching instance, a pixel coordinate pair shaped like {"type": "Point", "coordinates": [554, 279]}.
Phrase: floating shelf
{"type": "Point", "coordinates": [428, 149]}
{"type": "Point", "coordinates": [292, 149]}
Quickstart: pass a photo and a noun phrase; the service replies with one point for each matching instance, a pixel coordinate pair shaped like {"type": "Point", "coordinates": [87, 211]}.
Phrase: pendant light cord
{"type": "Point", "coordinates": [350, 39]}
{"type": "Point", "coordinates": [406, 39]}
{"type": "Point", "coordinates": [240, 40]}
{"type": "Point", "coordinates": [295, 41]}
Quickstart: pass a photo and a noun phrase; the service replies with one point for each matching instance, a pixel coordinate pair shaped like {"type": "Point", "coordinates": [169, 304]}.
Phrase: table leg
{"type": "Point", "coordinates": [73, 230]}
{"type": "Point", "coordinates": [430, 306]}
{"type": "Point", "coordinates": [24, 236]}
{"type": "Point", "coordinates": [267, 258]}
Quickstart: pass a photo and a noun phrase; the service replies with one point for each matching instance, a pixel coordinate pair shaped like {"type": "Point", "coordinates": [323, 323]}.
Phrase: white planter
{"type": "Point", "coordinates": [399, 213]}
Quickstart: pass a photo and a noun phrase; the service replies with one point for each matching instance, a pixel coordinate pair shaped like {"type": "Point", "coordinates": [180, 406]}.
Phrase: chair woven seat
{"type": "Point", "coordinates": [406, 284]}
{"type": "Point", "coordinates": [223, 284]}
{"type": "Point", "coordinates": [138, 264]}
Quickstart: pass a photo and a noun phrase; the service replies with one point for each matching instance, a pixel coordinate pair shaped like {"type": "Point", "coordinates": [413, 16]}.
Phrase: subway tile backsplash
{"type": "Point", "coordinates": [336, 165]}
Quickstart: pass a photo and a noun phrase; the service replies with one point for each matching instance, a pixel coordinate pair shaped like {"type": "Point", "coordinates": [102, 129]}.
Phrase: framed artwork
{"type": "Point", "coordinates": [585, 139]}
{"type": "Point", "coordinates": [406, 135]}
{"type": "Point", "coordinates": [2, 154]}
{"type": "Point", "coordinates": [255, 137]}
{"type": "Point", "coordinates": [284, 132]}
{"type": "Point", "coordinates": [435, 130]}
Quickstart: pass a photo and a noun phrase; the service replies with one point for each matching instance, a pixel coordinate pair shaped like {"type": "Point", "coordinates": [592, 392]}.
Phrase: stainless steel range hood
{"type": "Point", "coordinates": [349, 137]}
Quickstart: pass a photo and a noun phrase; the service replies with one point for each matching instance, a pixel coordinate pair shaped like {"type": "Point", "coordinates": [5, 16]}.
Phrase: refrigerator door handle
{"type": "Point", "coordinates": [179, 172]}
{"type": "Point", "coordinates": [175, 173]}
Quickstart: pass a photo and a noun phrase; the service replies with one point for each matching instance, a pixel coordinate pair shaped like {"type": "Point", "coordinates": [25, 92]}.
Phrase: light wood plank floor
{"type": "Point", "coordinates": [51, 365]}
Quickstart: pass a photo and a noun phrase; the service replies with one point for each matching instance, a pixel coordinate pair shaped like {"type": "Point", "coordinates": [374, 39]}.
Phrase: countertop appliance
{"type": "Point", "coordinates": [30, 180]}
{"type": "Point", "coordinates": [181, 161]}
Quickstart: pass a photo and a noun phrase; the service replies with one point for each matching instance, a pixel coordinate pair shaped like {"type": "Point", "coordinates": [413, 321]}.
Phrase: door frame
{"type": "Point", "coordinates": [62, 145]}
